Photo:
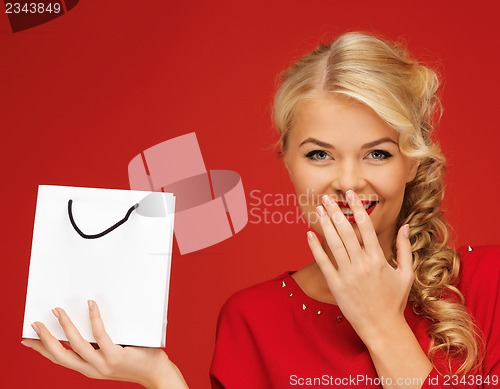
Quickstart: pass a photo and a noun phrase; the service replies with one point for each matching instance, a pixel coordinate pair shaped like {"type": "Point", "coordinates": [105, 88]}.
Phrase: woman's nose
{"type": "Point", "coordinates": [347, 176]}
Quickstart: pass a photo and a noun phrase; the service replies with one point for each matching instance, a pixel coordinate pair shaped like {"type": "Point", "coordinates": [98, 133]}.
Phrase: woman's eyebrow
{"type": "Point", "coordinates": [317, 142]}
{"type": "Point", "coordinates": [365, 146]}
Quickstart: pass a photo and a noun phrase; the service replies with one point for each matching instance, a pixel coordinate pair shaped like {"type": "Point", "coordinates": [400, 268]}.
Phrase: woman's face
{"type": "Point", "coordinates": [336, 145]}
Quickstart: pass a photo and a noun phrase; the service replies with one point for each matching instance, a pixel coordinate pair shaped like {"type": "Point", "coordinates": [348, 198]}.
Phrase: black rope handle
{"type": "Point", "coordinates": [114, 226]}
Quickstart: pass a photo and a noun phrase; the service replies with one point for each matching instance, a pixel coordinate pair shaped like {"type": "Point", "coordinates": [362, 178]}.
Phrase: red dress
{"type": "Point", "coordinates": [273, 335]}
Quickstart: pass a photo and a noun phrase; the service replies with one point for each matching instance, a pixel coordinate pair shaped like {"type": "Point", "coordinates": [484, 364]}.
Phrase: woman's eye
{"type": "Point", "coordinates": [380, 154]}
{"type": "Point", "coordinates": [317, 155]}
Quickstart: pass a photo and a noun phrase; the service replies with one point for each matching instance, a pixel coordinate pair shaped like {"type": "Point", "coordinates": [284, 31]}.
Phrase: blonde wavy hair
{"type": "Point", "coordinates": [403, 92]}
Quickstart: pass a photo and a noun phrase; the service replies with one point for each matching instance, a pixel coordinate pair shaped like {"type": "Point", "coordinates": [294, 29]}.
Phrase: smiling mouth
{"type": "Point", "coordinates": [346, 210]}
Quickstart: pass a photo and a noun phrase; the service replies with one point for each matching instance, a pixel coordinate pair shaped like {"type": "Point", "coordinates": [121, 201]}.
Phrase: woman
{"type": "Point", "coordinates": [381, 305]}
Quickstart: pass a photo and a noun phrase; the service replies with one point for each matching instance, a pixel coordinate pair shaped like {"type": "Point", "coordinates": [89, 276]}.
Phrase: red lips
{"type": "Point", "coordinates": [345, 204]}
{"type": "Point", "coordinates": [350, 218]}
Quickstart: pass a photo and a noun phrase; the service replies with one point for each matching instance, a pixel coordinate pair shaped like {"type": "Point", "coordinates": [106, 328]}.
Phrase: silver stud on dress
{"type": "Point", "coordinates": [304, 306]}
{"type": "Point", "coordinates": [469, 248]}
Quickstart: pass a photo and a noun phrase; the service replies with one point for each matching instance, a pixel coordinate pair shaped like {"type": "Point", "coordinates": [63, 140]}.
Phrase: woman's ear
{"type": "Point", "coordinates": [285, 164]}
{"type": "Point", "coordinates": [412, 172]}
{"type": "Point", "coordinates": [281, 155]}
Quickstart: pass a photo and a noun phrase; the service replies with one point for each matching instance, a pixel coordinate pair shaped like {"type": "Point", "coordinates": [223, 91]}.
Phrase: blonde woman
{"type": "Point", "coordinates": [386, 302]}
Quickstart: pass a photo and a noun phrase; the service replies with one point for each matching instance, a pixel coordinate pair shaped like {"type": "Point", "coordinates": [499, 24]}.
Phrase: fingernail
{"type": "Point", "coordinates": [91, 304]}
{"type": "Point", "coordinates": [56, 314]}
{"type": "Point", "coordinates": [327, 200]}
{"type": "Point", "coordinates": [25, 344]}
{"type": "Point", "coordinates": [406, 231]}
{"type": "Point", "coordinates": [310, 235]}
{"type": "Point", "coordinates": [36, 328]}
{"type": "Point", "coordinates": [321, 211]}
{"type": "Point", "coordinates": [350, 195]}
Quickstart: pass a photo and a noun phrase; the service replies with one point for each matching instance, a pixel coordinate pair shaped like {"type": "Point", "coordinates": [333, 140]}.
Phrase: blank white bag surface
{"type": "Point", "coordinates": [127, 271]}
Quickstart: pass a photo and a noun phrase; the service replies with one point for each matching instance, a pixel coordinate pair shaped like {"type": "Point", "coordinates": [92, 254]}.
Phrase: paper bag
{"type": "Point", "coordinates": [111, 246]}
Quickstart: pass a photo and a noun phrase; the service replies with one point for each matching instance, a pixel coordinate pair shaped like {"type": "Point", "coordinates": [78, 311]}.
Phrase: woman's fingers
{"type": "Point", "coordinates": [344, 228]}
{"type": "Point", "coordinates": [364, 223]}
{"type": "Point", "coordinates": [332, 237]}
{"type": "Point", "coordinates": [404, 253]}
{"type": "Point", "coordinates": [146, 366]}
{"type": "Point", "coordinates": [83, 357]}
{"type": "Point", "coordinates": [324, 263]}
{"type": "Point", "coordinates": [38, 346]}
{"type": "Point", "coordinates": [52, 349]}
{"type": "Point", "coordinates": [56, 350]}
{"type": "Point", "coordinates": [102, 338]}
{"type": "Point", "coordinates": [83, 348]}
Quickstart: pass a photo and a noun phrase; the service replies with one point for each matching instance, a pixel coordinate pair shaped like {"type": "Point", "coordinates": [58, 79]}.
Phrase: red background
{"type": "Point", "coordinates": [84, 93]}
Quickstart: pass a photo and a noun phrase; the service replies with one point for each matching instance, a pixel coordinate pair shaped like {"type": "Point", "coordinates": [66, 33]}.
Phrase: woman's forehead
{"type": "Point", "coordinates": [335, 120]}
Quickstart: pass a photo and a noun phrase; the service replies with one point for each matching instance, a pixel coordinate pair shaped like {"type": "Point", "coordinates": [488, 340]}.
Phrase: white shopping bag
{"type": "Point", "coordinates": [126, 271]}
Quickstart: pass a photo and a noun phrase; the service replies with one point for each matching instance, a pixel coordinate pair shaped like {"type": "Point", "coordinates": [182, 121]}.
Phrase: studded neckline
{"type": "Point", "coordinates": [296, 296]}
{"type": "Point", "coordinates": [305, 303]}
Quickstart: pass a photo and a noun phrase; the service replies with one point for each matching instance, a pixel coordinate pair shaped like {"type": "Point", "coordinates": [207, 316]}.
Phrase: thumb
{"type": "Point", "coordinates": [403, 250]}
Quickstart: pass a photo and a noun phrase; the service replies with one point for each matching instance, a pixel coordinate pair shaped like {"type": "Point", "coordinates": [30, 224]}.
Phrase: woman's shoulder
{"type": "Point", "coordinates": [479, 280]}
{"type": "Point", "coordinates": [257, 297]}
{"type": "Point", "coordinates": [480, 266]}
{"type": "Point", "coordinates": [484, 252]}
